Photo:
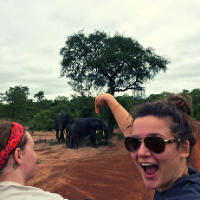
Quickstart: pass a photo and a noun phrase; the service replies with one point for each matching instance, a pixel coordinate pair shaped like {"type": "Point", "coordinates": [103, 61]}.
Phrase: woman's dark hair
{"type": "Point", "coordinates": [5, 132]}
{"type": "Point", "coordinates": [178, 110]}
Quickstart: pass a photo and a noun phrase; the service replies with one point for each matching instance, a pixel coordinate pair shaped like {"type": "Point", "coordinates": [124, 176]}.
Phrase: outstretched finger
{"type": "Point", "coordinates": [100, 101]}
{"type": "Point", "coordinates": [96, 107]}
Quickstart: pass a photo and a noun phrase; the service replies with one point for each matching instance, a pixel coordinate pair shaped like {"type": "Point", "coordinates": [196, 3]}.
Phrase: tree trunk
{"type": "Point", "coordinates": [111, 117]}
{"type": "Point", "coordinates": [110, 124]}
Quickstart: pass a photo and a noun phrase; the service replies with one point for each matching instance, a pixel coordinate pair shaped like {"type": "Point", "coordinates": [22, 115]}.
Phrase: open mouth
{"type": "Point", "coordinates": [149, 169]}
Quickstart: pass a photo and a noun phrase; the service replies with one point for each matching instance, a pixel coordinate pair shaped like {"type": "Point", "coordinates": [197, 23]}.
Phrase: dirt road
{"type": "Point", "coordinates": [101, 174]}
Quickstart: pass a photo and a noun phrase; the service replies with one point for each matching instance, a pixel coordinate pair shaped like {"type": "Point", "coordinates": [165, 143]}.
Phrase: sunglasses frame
{"type": "Point", "coordinates": [145, 142]}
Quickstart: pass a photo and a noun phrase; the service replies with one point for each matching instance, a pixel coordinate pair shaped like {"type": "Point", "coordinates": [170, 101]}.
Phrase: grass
{"type": "Point", "coordinates": [111, 145]}
{"type": "Point", "coordinates": [38, 161]}
{"type": "Point", "coordinates": [120, 136]}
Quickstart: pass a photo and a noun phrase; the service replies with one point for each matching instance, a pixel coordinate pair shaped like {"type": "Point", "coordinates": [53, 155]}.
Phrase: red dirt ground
{"type": "Point", "coordinates": [106, 173]}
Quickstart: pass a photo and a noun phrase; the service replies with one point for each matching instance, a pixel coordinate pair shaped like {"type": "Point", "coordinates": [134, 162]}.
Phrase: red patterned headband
{"type": "Point", "coordinates": [15, 137]}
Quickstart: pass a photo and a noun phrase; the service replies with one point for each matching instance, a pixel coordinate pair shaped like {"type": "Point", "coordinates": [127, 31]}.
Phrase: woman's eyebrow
{"type": "Point", "coordinates": [155, 134]}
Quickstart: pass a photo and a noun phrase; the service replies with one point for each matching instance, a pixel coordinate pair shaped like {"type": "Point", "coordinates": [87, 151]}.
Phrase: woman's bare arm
{"type": "Point", "coordinates": [122, 117]}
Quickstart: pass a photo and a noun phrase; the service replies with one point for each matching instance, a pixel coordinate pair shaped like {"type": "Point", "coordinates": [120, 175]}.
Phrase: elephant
{"type": "Point", "coordinates": [61, 121]}
{"type": "Point", "coordinates": [67, 130]}
{"type": "Point", "coordinates": [82, 127]}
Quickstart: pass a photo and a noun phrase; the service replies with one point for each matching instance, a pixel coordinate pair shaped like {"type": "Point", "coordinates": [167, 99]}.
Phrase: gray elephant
{"type": "Point", "coordinates": [61, 121]}
{"type": "Point", "coordinates": [68, 135]}
{"type": "Point", "coordinates": [80, 128]}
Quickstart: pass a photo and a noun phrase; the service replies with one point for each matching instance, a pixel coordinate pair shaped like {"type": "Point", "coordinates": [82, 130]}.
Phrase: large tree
{"type": "Point", "coordinates": [115, 63]}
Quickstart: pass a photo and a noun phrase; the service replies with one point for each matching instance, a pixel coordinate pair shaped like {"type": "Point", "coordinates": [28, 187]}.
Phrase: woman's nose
{"type": "Point", "coordinates": [143, 150]}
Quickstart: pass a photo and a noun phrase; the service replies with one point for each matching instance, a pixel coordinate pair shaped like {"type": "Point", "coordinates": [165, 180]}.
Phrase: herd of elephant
{"type": "Point", "coordinates": [78, 129]}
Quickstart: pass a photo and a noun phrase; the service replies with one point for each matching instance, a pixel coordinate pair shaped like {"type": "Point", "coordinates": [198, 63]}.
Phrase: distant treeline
{"type": "Point", "coordinates": [16, 106]}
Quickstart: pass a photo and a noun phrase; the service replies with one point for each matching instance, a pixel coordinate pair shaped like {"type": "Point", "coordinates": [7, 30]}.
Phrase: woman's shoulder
{"type": "Point", "coordinates": [192, 170]}
{"type": "Point", "coordinates": [10, 190]}
{"type": "Point", "coordinates": [187, 187]}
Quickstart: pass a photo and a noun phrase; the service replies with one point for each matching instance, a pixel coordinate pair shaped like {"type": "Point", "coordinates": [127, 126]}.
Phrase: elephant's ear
{"type": "Point", "coordinates": [94, 123]}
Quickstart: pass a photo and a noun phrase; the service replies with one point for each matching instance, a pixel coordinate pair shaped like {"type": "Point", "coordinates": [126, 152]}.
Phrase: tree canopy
{"type": "Point", "coordinates": [39, 96]}
{"type": "Point", "coordinates": [16, 97]}
{"type": "Point", "coordinates": [113, 63]}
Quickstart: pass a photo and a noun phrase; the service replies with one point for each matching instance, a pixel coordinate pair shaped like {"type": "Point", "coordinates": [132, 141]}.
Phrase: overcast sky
{"type": "Point", "coordinates": [32, 33]}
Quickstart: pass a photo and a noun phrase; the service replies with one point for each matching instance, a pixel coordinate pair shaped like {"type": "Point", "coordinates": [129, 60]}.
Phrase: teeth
{"type": "Point", "coordinates": [146, 164]}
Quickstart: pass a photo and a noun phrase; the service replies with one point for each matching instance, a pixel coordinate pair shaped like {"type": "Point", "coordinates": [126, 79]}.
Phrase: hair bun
{"type": "Point", "coordinates": [181, 103]}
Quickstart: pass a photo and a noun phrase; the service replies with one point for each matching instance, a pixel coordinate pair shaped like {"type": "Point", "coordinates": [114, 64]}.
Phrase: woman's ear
{"type": "Point", "coordinates": [185, 149]}
{"type": "Point", "coordinates": [17, 155]}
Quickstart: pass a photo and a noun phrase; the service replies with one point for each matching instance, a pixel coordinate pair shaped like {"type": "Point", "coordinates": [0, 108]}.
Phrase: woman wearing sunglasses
{"type": "Point", "coordinates": [160, 140]}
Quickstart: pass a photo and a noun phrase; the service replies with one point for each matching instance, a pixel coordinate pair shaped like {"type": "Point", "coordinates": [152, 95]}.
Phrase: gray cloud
{"type": "Point", "coordinates": [32, 33]}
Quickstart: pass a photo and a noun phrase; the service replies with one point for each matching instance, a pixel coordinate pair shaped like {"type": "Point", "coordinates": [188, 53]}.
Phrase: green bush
{"type": "Point", "coordinates": [42, 121]}
{"type": "Point", "coordinates": [198, 116]}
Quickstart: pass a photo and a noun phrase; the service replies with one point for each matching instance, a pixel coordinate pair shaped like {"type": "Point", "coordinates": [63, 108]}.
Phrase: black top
{"type": "Point", "coordinates": [185, 188]}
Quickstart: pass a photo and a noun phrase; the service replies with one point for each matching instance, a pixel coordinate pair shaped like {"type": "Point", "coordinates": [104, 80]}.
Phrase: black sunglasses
{"type": "Point", "coordinates": [153, 143]}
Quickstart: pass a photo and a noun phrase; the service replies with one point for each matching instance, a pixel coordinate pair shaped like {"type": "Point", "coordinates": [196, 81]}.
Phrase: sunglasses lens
{"type": "Point", "coordinates": [155, 144]}
{"type": "Point", "coordinates": [132, 143]}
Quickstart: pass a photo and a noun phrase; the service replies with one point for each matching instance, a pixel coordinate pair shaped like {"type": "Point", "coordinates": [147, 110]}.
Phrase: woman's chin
{"type": "Point", "coordinates": [152, 185]}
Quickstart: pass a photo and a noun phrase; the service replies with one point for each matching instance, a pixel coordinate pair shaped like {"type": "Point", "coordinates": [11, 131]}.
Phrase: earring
{"type": "Point", "coordinates": [15, 166]}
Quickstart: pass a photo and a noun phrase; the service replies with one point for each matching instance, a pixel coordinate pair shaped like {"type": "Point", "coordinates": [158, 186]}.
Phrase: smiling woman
{"type": "Point", "coordinates": [160, 139]}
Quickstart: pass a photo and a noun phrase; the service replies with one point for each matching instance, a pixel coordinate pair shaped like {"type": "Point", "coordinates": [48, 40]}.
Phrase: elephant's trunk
{"type": "Point", "coordinates": [103, 133]}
